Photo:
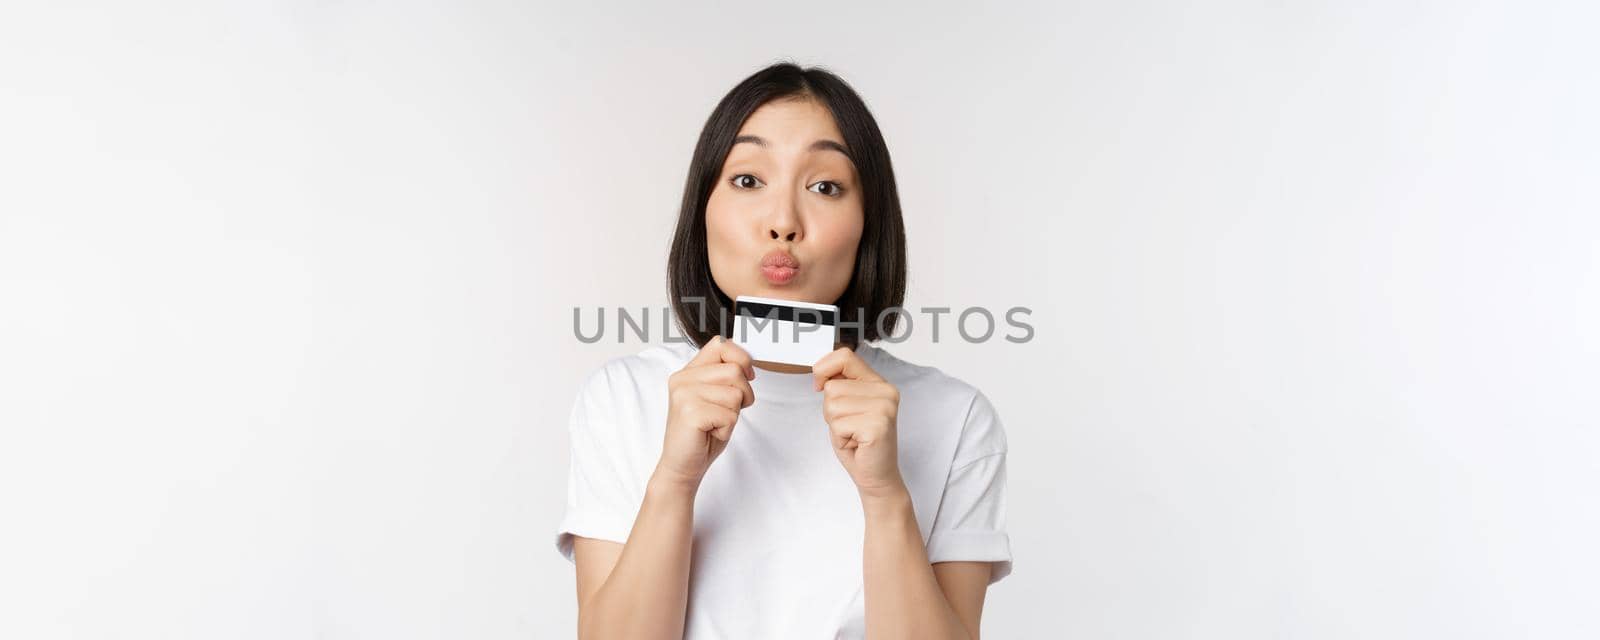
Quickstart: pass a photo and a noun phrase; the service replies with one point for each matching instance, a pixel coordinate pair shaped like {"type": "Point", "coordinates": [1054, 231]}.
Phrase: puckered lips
{"type": "Point", "coordinates": [779, 267]}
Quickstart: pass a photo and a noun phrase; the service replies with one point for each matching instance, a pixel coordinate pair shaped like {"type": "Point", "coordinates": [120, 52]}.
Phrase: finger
{"type": "Point", "coordinates": [719, 349]}
{"type": "Point", "coordinates": [725, 374]}
{"type": "Point", "coordinates": [707, 354]}
{"type": "Point", "coordinates": [841, 442]}
{"type": "Point", "coordinates": [723, 396]}
{"type": "Point", "coordinates": [851, 432]}
{"type": "Point", "coordinates": [840, 434]}
{"type": "Point", "coordinates": [840, 387]}
{"type": "Point", "coordinates": [880, 391]}
{"type": "Point", "coordinates": [859, 429]}
{"type": "Point", "coordinates": [842, 362]}
{"type": "Point", "coordinates": [842, 406]}
{"type": "Point", "coordinates": [710, 417]}
{"type": "Point", "coordinates": [736, 354]}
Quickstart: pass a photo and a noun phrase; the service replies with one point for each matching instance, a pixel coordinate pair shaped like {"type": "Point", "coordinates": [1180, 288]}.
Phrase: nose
{"type": "Point", "coordinates": [784, 223]}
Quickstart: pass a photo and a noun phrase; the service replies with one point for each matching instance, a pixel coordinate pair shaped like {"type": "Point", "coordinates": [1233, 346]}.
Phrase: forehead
{"type": "Point", "coordinates": [791, 122]}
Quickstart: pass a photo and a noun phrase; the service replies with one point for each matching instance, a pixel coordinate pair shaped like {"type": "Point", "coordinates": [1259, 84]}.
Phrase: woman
{"type": "Point", "coordinates": [711, 497]}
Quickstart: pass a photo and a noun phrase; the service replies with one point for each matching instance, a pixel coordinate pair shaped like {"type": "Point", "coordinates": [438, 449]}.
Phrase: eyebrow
{"type": "Point", "coordinates": [820, 145]}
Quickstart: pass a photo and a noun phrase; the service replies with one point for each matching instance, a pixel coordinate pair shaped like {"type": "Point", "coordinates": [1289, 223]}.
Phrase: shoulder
{"type": "Point", "coordinates": [625, 393]}
{"type": "Point", "coordinates": [631, 373]}
{"type": "Point", "coordinates": [932, 391]}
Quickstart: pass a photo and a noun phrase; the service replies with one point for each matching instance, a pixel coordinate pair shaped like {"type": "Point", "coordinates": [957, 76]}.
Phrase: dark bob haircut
{"type": "Point", "coordinates": [878, 283]}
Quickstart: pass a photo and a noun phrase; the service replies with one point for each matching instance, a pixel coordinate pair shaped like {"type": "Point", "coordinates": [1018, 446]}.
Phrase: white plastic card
{"type": "Point", "coordinates": [784, 331]}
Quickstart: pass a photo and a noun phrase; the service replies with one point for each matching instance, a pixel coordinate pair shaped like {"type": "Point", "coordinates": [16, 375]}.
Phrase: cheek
{"type": "Point", "coordinates": [719, 225]}
{"type": "Point", "coordinates": [723, 236]}
{"type": "Point", "coordinates": [838, 239]}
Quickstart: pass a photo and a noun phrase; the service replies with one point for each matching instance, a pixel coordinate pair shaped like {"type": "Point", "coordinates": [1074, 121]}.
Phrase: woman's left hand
{"type": "Point", "coordinates": [860, 408]}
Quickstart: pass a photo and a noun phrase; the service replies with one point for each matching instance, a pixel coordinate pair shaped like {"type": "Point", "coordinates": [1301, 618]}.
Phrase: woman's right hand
{"type": "Point", "coordinates": [703, 403]}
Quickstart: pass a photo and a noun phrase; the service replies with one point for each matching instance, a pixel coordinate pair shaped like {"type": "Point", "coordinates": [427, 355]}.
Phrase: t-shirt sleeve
{"type": "Point", "coordinates": [600, 503]}
{"type": "Point", "coordinates": [971, 521]}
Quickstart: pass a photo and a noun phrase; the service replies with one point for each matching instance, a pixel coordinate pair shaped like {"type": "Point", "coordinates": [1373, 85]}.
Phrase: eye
{"type": "Point", "coordinates": [746, 181]}
{"type": "Point", "coordinates": [828, 188]}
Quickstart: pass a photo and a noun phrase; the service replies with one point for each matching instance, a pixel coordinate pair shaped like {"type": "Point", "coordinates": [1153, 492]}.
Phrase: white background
{"type": "Point", "coordinates": [286, 299]}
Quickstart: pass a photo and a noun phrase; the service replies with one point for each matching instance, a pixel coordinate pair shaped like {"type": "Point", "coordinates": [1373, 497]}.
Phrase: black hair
{"type": "Point", "coordinates": [878, 281]}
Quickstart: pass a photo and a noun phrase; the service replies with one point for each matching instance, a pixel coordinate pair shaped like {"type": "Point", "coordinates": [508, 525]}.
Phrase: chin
{"type": "Point", "coordinates": [785, 291]}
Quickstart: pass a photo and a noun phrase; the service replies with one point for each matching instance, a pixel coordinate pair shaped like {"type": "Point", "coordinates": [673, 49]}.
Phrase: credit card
{"type": "Point", "coordinates": [784, 331]}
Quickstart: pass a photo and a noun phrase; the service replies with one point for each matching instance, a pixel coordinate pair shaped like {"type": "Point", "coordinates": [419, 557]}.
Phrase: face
{"type": "Point", "coordinates": [785, 217]}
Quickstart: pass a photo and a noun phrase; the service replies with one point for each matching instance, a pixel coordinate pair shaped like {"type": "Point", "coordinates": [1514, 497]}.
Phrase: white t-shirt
{"type": "Point", "coordinates": [778, 527]}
